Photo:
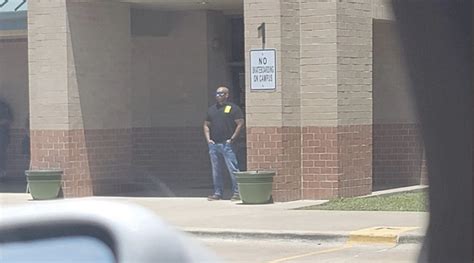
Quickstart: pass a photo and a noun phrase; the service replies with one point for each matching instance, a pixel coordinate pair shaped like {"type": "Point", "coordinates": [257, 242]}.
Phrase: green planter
{"type": "Point", "coordinates": [44, 184]}
{"type": "Point", "coordinates": [255, 186]}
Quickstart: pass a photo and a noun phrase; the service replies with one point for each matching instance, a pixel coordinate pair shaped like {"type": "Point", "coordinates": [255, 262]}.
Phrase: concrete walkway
{"type": "Point", "coordinates": [276, 221]}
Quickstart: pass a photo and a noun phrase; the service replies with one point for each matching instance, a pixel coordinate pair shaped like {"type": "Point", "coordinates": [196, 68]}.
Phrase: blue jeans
{"type": "Point", "coordinates": [220, 153]}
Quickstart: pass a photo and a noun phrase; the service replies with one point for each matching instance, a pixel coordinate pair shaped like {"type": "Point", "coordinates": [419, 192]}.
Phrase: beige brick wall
{"type": "Point", "coordinates": [393, 99]}
{"type": "Point", "coordinates": [282, 21]}
{"type": "Point", "coordinates": [79, 61]}
{"type": "Point", "coordinates": [318, 63]}
{"type": "Point", "coordinates": [48, 68]}
{"type": "Point", "coordinates": [290, 68]}
{"type": "Point", "coordinates": [14, 78]}
{"type": "Point", "coordinates": [318, 66]}
{"type": "Point", "coordinates": [99, 70]}
{"type": "Point", "coordinates": [170, 74]}
{"type": "Point", "coordinates": [324, 62]}
{"type": "Point", "coordinates": [274, 117]}
{"type": "Point", "coordinates": [354, 57]}
{"type": "Point", "coordinates": [264, 108]}
{"type": "Point", "coordinates": [80, 93]}
{"type": "Point", "coordinates": [175, 76]}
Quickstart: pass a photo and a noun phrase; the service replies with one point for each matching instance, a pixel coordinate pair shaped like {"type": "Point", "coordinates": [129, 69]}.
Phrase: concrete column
{"type": "Point", "coordinates": [336, 98]}
{"type": "Point", "coordinates": [354, 92]}
{"type": "Point", "coordinates": [79, 62]}
{"type": "Point", "coordinates": [273, 117]}
{"type": "Point", "coordinates": [319, 96]}
{"type": "Point", "coordinates": [336, 92]}
{"type": "Point", "coordinates": [315, 130]}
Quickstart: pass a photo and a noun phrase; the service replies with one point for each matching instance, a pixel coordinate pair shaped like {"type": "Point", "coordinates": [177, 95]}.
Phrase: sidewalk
{"type": "Point", "coordinates": [273, 221]}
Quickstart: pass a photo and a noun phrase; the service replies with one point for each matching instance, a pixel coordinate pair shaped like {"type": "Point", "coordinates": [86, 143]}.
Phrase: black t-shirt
{"type": "Point", "coordinates": [222, 119]}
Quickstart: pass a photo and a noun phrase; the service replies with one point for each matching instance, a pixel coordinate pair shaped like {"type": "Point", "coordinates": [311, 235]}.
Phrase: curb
{"type": "Point", "coordinates": [269, 235]}
{"type": "Point", "coordinates": [411, 239]}
{"type": "Point", "coordinates": [339, 237]}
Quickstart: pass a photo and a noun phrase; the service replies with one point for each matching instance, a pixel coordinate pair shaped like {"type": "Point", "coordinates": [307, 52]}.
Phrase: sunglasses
{"type": "Point", "coordinates": [221, 94]}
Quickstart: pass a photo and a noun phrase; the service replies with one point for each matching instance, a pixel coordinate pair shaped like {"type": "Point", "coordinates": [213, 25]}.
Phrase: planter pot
{"type": "Point", "coordinates": [255, 186]}
{"type": "Point", "coordinates": [44, 184]}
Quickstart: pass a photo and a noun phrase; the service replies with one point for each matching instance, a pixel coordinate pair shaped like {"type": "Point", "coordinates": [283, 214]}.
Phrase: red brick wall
{"type": "Point", "coordinates": [176, 156]}
{"type": "Point", "coordinates": [94, 161]}
{"type": "Point", "coordinates": [398, 156]}
{"type": "Point", "coordinates": [337, 161]}
{"type": "Point", "coordinates": [311, 163]}
{"type": "Point", "coordinates": [103, 162]}
{"type": "Point", "coordinates": [109, 159]}
{"type": "Point", "coordinates": [334, 161]}
{"type": "Point", "coordinates": [320, 163]}
{"type": "Point", "coordinates": [279, 150]}
{"type": "Point", "coordinates": [355, 160]}
{"type": "Point", "coordinates": [17, 162]}
{"type": "Point", "coordinates": [63, 150]}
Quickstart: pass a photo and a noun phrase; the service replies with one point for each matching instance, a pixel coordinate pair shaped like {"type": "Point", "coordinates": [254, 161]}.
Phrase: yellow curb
{"type": "Point", "coordinates": [382, 234]}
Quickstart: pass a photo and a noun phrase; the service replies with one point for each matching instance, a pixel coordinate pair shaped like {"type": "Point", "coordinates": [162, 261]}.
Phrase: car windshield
{"type": "Point", "coordinates": [338, 130]}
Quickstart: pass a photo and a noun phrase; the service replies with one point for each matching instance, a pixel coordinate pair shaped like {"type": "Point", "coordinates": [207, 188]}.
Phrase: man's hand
{"type": "Point", "coordinates": [207, 133]}
{"type": "Point", "coordinates": [229, 141]}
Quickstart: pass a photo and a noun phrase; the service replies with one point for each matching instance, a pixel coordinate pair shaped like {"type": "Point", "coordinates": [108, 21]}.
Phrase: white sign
{"type": "Point", "coordinates": [263, 69]}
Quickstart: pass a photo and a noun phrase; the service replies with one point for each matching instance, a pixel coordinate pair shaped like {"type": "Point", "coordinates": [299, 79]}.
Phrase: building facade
{"type": "Point", "coordinates": [116, 93]}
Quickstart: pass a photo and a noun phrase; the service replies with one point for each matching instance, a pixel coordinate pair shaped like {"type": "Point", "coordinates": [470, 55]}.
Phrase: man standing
{"type": "Point", "coordinates": [221, 128]}
{"type": "Point", "coordinates": [5, 120]}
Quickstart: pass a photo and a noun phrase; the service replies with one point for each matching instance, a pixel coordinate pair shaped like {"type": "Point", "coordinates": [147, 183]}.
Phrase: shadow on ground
{"type": "Point", "coordinates": [8, 185]}
{"type": "Point", "coordinates": [164, 187]}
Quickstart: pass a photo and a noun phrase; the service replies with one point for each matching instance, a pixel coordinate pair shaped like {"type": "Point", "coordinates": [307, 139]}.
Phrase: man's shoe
{"type": "Point", "coordinates": [235, 198]}
{"type": "Point", "coordinates": [214, 198]}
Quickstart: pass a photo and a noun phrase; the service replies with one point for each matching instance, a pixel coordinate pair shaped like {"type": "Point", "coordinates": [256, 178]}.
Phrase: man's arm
{"type": "Point", "coordinates": [207, 132]}
{"type": "Point", "coordinates": [240, 124]}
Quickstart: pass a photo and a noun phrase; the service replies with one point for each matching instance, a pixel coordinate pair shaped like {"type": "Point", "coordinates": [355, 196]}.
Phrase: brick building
{"type": "Point", "coordinates": [116, 92]}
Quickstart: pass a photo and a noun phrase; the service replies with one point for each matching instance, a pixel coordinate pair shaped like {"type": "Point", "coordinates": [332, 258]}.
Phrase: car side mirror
{"type": "Point", "coordinates": [88, 230]}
